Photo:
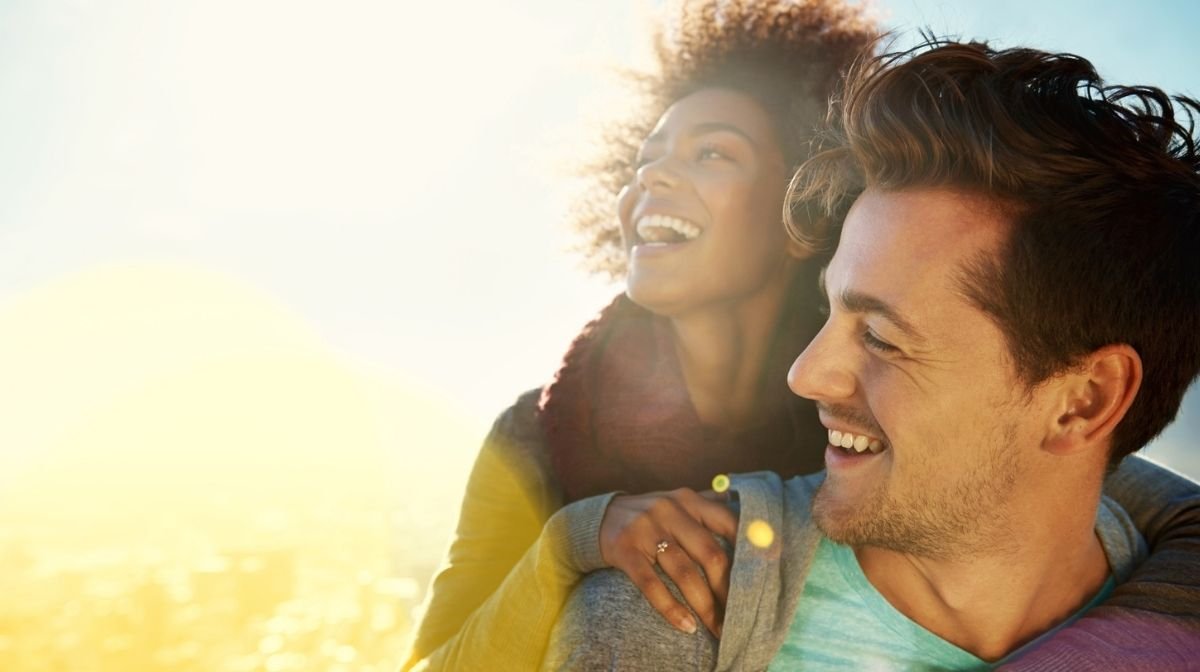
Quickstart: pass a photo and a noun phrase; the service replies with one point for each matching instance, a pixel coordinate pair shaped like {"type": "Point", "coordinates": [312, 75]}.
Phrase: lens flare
{"type": "Point", "coordinates": [720, 483]}
{"type": "Point", "coordinates": [760, 533]}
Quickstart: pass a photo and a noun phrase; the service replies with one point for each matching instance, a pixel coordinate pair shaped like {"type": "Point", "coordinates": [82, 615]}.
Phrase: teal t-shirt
{"type": "Point", "coordinates": [843, 623]}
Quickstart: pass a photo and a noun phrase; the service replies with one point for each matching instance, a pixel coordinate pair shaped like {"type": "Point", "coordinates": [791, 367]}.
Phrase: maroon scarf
{"type": "Point", "coordinates": [618, 416]}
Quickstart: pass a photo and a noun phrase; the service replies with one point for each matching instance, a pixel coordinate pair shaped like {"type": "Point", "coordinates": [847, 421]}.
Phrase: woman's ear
{"type": "Point", "coordinates": [1094, 399]}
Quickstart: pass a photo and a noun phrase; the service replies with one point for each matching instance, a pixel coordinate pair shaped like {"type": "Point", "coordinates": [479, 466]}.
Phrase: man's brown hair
{"type": "Point", "coordinates": [1102, 184]}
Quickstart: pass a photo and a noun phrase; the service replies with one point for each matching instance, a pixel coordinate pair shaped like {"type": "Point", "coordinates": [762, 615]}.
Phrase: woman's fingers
{"type": "Point", "coordinates": [709, 511]}
{"type": "Point", "coordinates": [632, 533]}
{"type": "Point", "coordinates": [703, 551]}
{"type": "Point", "coordinates": [710, 518]}
{"type": "Point", "coordinates": [629, 541]}
{"type": "Point", "coordinates": [641, 572]}
{"type": "Point", "coordinates": [677, 564]}
{"type": "Point", "coordinates": [693, 523]}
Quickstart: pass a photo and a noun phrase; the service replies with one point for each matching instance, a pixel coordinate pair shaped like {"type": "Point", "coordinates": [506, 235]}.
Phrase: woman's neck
{"type": "Point", "coordinates": [723, 351]}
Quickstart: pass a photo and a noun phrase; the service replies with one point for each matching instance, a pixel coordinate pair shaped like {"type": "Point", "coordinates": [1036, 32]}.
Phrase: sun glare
{"type": "Point", "coordinates": [197, 482]}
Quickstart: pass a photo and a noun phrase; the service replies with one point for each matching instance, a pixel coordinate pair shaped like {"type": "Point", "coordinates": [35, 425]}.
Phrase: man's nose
{"type": "Point", "coordinates": [824, 371]}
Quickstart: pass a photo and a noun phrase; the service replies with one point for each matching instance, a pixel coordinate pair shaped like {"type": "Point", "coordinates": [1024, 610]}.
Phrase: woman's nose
{"type": "Point", "coordinates": [659, 173]}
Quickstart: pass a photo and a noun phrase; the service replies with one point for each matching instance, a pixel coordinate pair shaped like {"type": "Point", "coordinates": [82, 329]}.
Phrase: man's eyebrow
{"type": "Point", "coordinates": [858, 302]}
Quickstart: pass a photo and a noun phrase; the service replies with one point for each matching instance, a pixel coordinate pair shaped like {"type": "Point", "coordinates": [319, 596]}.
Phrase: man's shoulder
{"type": "Point", "coordinates": [767, 495]}
{"type": "Point", "coordinates": [1123, 543]}
{"type": "Point", "coordinates": [607, 624]}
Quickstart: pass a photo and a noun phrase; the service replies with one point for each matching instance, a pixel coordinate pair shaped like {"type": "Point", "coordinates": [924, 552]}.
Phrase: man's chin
{"type": "Point", "coordinates": [859, 519]}
{"type": "Point", "coordinates": [843, 519]}
{"type": "Point", "coordinates": [879, 522]}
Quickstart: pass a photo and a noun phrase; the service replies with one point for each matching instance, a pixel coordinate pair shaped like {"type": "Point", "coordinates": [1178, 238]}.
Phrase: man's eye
{"type": "Point", "coordinates": [875, 343]}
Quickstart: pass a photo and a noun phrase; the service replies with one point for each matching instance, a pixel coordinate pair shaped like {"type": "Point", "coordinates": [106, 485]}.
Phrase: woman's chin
{"type": "Point", "coordinates": [645, 299]}
{"type": "Point", "coordinates": [661, 298]}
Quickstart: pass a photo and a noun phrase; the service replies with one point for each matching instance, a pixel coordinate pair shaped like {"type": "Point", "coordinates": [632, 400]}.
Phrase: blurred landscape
{"type": "Point", "coordinates": [193, 480]}
{"type": "Point", "coordinates": [236, 558]}
{"type": "Point", "coordinates": [320, 590]}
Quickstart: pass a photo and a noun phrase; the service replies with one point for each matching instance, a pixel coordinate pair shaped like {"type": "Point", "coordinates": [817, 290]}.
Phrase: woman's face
{"type": "Point", "coordinates": [701, 221]}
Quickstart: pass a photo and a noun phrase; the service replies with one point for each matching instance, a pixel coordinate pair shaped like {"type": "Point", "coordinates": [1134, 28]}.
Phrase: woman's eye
{"type": "Point", "coordinates": [875, 343]}
{"type": "Point", "coordinates": [709, 152]}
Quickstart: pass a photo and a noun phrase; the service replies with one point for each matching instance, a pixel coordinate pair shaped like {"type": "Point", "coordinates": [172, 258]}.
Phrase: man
{"type": "Point", "coordinates": [1014, 308]}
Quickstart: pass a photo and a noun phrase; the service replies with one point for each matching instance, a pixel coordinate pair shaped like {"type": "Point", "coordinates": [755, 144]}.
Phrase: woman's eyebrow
{"type": "Point", "coordinates": [704, 129]}
{"type": "Point", "coordinates": [720, 126]}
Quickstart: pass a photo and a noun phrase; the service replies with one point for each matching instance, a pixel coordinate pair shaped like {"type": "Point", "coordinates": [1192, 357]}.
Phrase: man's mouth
{"type": "Point", "coordinates": [855, 443]}
{"type": "Point", "coordinates": [666, 230]}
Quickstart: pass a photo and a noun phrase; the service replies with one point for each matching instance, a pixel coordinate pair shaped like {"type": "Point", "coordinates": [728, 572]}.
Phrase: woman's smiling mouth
{"type": "Point", "coordinates": [666, 230]}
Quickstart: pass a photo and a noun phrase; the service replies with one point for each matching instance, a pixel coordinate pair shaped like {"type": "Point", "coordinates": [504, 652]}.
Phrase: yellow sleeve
{"type": "Point", "coordinates": [511, 630]}
{"type": "Point", "coordinates": [493, 603]}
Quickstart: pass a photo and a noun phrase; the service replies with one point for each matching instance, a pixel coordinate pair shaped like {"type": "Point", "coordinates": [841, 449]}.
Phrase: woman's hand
{"type": "Point", "coordinates": [675, 531]}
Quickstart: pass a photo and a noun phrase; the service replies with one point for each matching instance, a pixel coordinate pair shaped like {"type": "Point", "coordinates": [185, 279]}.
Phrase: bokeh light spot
{"type": "Point", "coordinates": [720, 483]}
{"type": "Point", "coordinates": [760, 533]}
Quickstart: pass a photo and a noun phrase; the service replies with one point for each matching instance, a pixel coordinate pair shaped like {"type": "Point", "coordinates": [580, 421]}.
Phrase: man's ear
{"type": "Point", "coordinates": [1094, 398]}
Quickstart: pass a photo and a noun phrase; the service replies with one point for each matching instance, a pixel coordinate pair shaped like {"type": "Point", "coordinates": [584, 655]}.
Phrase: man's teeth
{"type": "Point", "coordinates": [857, 442]}
{"type": "Point", "coordinates": [664, 229]}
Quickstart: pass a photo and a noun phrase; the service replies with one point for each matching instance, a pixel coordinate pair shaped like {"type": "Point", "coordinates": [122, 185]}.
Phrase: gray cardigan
{"type": "Point", "coordinates": [608, 625]}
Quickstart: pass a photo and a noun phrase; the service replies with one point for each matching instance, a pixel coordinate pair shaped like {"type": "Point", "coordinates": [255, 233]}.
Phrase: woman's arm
{"type": "Point", "coordinates": [511, 629]}
{"type": "Point", "coordinates": [1165, 506]}
{"type": "Point", "coordinates": [1152, 621]}
{"type": "Point", "coordinates": [502, 514]}
{"type": "Point", "coordinates": [504, 569]}
{"type": "Point", "coordinates": [494, 602]}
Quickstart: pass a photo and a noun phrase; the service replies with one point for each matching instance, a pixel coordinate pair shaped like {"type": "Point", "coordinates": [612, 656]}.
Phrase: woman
{"type": "Point", "coordinates": [682, 377]}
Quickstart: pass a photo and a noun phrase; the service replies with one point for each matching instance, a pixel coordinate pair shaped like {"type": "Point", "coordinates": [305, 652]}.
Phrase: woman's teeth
{"type": "Point", "coordinates": [856, 442]}
{"type": "Point", "coordinates": [663, 229]}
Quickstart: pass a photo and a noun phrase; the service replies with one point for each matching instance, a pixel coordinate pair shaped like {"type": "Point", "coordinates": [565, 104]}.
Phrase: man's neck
{"type": "Point", "coordinates": [992, 604]}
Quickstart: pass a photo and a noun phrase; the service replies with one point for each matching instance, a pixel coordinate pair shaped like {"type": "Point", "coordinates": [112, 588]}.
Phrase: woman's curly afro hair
{"type": "Point", "coordinates": [786, 54]}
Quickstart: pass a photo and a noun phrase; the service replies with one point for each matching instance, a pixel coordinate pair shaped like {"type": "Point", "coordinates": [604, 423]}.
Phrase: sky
{"type": "Point", "coordinates": [235, 235]}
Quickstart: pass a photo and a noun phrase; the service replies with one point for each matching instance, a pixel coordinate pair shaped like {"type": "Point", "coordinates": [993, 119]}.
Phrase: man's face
{"type": "Point", "coordinates": [923, 376]}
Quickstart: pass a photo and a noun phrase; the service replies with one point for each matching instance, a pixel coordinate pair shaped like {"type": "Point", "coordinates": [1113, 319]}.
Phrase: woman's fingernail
{"type": "Point", "coordinates": [688, 625]}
